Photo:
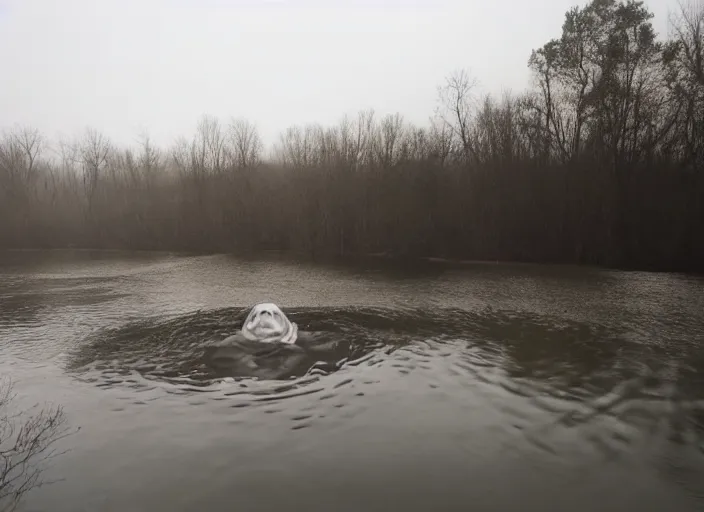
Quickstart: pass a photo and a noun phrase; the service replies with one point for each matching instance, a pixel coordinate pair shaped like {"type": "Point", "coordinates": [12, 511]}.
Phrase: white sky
{"type": "Point", "coordinates": [123, 66]}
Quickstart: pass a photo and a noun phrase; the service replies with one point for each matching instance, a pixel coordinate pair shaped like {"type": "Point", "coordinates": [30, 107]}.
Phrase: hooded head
{"type": "Point", "coordinates": [267, 323]}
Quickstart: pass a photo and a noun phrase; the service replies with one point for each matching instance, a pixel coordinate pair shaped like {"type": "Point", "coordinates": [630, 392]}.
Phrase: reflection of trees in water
{"type": "Point", "coordinates": [609, 389]}
{"type": "Point", "coordinates": [18, 305]}
{"type": "Point", "coordinates": [28, 261]}
{"type": "Point", "coordinates": [555, 351]}
{"type": "Point", "coordinates": [25, 292]}
{"type": "Point", "coordinates": [568, 354]}
{"type": "Point", "coordinates": [25, 302]}
{"type": "Point", "coordinates": [25, 445]}
{"type": "Point", "coordinates": [679, 457]}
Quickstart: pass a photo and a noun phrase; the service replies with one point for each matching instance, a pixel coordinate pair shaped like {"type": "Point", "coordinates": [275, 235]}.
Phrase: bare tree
{"type": "Point", "coordinates": [181, 156]}
{"type": "Point", "coordinates": [684, 57]}
{"type": "Point", "coordinates": [94, 151]}
{"type": "Point", "coordinates": [20, 149]}
{"type": "Point", "coordinates": [346, 143]}
{"type": "Point", "coordinates": [150, 158]}
{"type": "Point", "coordinates": [388, 138]}
{"type": "Point", "coordinates": [65, 170]}
{"type": "Point", "coordinates": [299, 146]}
{"type": "Point", "coordinates": [30, 143]}
{"type": "Point", "coordinates": [245, 144]}
{"type": "Point", "coordinates": [209, 144]}
{"type": "Point", "coordinates": [688, 30]}
{"type": "Point", "coordinates": [456, 107]}
{"type": "Point", "coordinates": [364, 138]}
{"type": "Point", "coordinates": [441, 136]}
{"type": "Point", "coordinates": [25, 446]}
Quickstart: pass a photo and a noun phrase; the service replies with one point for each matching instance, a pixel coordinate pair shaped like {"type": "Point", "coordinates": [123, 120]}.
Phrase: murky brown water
{"type": "Point", "coordinates": [477, 387]}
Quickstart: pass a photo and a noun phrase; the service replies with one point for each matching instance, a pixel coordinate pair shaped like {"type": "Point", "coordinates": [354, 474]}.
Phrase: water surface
{"type": "Point", "coordinates": [435, 387]}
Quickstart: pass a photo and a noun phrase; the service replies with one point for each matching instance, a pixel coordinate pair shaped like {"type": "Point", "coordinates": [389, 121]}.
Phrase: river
{"type": "Point", "coordinates": [444, 387]}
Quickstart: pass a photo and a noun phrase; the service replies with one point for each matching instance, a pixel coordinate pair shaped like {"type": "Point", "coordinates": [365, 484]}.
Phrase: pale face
{"type": "Point", "coordinates": [266, 322]}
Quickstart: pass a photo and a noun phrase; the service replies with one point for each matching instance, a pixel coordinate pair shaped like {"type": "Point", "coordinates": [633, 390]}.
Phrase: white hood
{"type": "Point", "coordinates": [267, 323]}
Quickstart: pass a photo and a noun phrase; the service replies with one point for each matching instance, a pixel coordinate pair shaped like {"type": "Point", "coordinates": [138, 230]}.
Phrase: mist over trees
{"type": "Point", "coordinates": [600, 161]}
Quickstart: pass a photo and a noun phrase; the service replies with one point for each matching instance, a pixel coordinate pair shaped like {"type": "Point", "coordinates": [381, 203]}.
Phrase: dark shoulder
{"type": "Point", "coordinates": [230, 341]}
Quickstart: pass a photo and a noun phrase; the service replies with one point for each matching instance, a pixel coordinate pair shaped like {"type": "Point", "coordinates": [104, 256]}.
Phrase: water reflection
{"type": "Point", "coordinates": [581, 374]}
{"type": "Point", "coordinates": [539, 374]}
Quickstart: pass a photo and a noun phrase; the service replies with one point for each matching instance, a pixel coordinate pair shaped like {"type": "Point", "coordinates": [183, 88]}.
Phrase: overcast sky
{"type": "Point", "coordinates": [124, 66]}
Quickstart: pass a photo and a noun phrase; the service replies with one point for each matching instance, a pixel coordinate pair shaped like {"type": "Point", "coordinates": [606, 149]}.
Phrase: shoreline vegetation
{"type": "Point", "coordinates": [599, 162]}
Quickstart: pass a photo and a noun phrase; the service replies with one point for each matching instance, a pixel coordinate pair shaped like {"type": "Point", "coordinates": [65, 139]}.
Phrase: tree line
{"type": "Point", "coordinates": [600, 161]}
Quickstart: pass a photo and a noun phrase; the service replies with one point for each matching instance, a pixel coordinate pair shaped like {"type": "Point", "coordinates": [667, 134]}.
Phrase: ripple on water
{"type": "Point", "coordinates": [177, 355]}
{"type": "Point", "coordinates": [560, 386]}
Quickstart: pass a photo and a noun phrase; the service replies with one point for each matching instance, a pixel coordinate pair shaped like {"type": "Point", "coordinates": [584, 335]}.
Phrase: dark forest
{"type": "Point", "coordinates": [600, 161]}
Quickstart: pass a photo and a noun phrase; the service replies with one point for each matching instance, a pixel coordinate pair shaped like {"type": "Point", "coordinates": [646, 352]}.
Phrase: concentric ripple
{"type": "Point", "coordinates": [574, 371]}
{"type": "Point", "coordinates": [184, 350]}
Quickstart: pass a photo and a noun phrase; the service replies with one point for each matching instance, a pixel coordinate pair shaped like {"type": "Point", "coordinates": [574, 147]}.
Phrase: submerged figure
{"type": "Point", "coordinates": [265, 347]}
{"type": "Point", "coordinates": [267, 323]}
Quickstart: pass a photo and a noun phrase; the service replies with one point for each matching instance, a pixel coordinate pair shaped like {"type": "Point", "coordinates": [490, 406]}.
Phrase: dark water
{"type": "Point", "coordinates": [468, 387]}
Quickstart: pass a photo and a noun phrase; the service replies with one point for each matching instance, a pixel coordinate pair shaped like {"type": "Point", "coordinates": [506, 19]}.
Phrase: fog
{"type": "Point", "coordinates": [128, 66]}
